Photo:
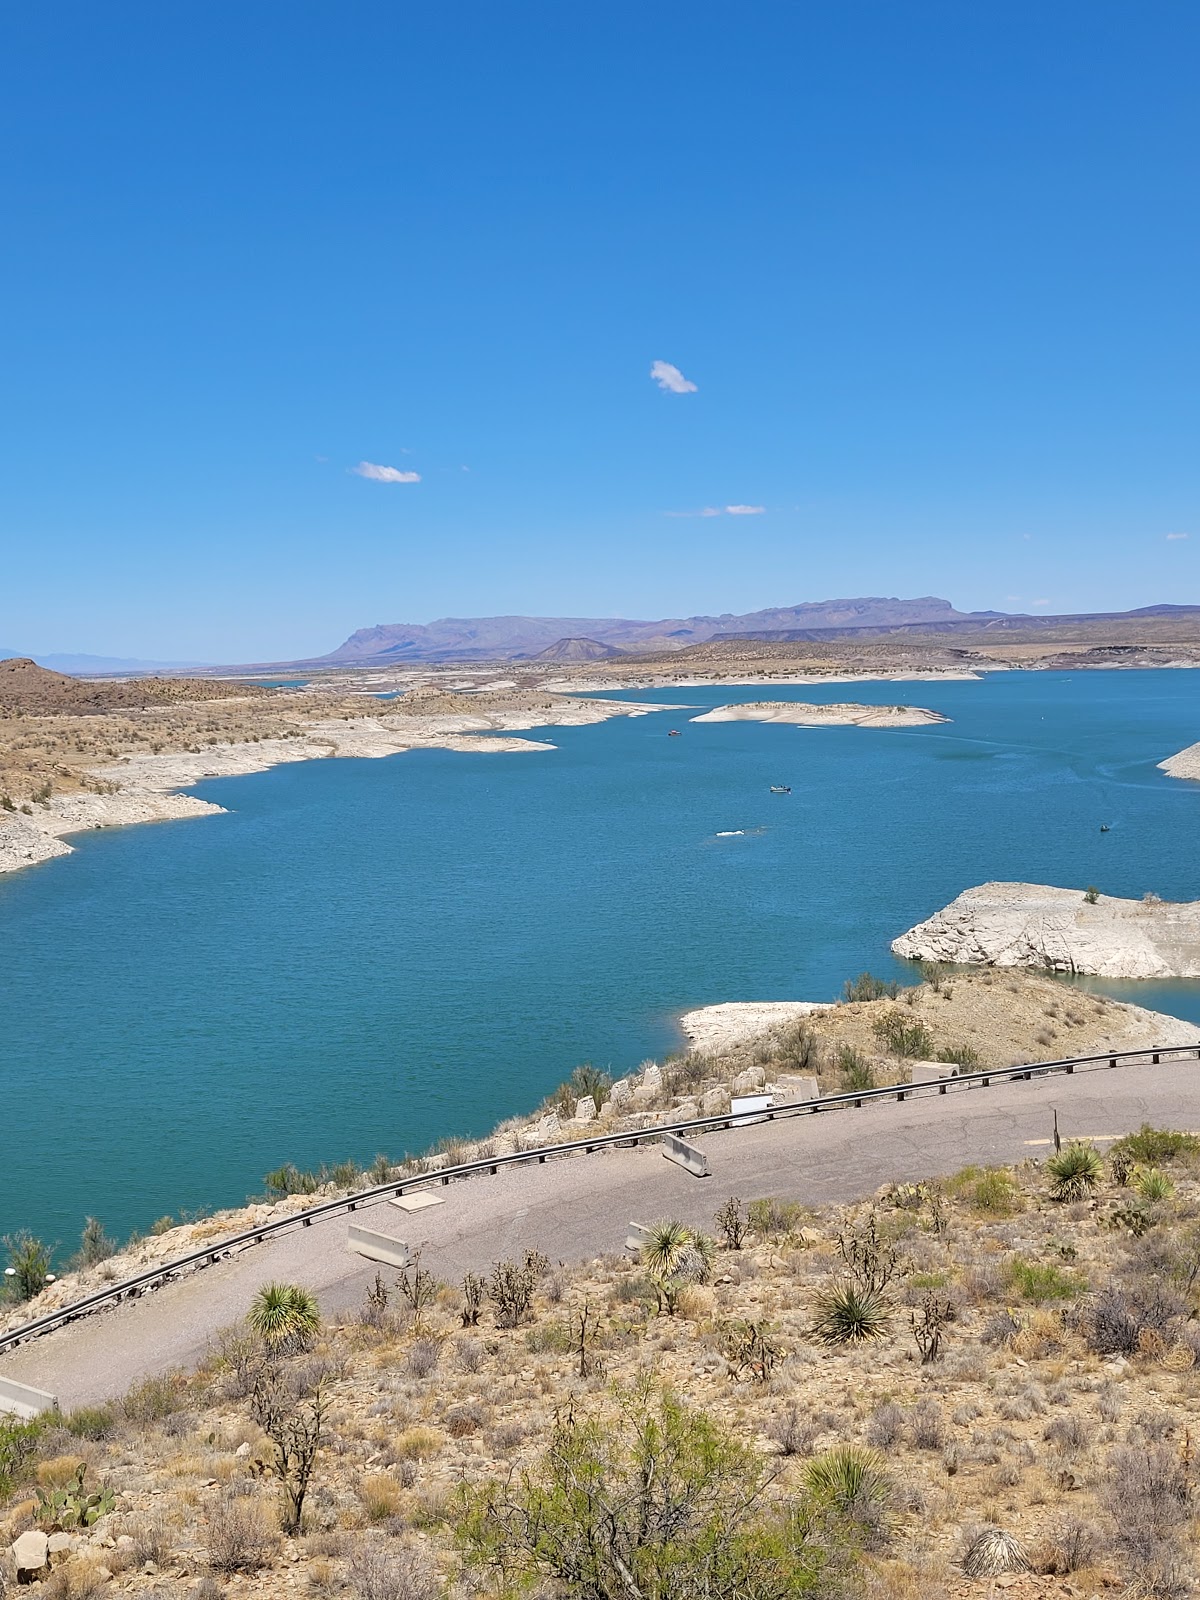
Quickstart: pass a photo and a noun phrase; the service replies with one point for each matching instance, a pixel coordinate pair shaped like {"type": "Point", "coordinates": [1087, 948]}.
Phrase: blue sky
{"type": "Point", "coordinates": [931, 268]}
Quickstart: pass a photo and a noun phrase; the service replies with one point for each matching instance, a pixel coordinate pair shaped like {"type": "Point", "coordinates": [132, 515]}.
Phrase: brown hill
{"type": "Point", "coordinates": [26, 687]}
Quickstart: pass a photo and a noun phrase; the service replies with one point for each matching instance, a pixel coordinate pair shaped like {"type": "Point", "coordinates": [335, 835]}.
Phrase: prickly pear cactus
{"type": "Point", "coordinates": [62, 1510]}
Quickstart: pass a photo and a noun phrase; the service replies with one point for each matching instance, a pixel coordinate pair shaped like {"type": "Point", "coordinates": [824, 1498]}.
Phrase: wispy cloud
{"type": "Point", "coordinates": [720, 511]}
{"type": "Point", "coordinates": [670, 378]}
{"type": "Point", "coordinates": [378, 474]}
{"type": "Point", "coordinates": [1173, 536]}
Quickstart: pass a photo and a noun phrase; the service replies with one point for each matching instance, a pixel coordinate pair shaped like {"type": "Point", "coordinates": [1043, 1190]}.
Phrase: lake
{"type": "Point", "coordinates": [364, 956]}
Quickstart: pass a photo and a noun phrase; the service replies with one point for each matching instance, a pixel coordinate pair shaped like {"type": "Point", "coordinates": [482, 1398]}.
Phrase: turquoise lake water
{"type": "Point", "coordinates": [366, 955]}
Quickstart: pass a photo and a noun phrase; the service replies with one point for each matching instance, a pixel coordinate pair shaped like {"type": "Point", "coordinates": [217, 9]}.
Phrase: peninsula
{"type": "Point", "coordinates": [803, 714]}
{"type": "Point", "coordinates": [1061, 930]}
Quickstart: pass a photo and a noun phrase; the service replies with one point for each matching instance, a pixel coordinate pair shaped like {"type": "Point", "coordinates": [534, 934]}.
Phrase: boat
{"type": "Point", "coordinates": [731, 833]}
{"type": "Point", "coordinates": [1105, 827]}
{"type": "Point", "coordinates": [781, 788]}
{"type": "Point", "coordinates": [674, 733]}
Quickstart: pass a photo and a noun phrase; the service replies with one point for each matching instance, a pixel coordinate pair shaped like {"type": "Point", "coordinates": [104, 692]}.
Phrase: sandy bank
{"type": "Point", "coordinates": [143, 787]}
{"type": "Point", "coordinates": [801, 714]}
{"type": "Point", "coordinates": [1032, 925]}
{"type": "Point", "coordinates": [712, 1029]}
{"type": "Point", "coordinates": [1186, 764]}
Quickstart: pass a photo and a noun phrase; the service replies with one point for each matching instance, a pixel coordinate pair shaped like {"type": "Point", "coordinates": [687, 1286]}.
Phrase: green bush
{"type": "Point", "coordinates": [1039, 1281]}
{"type": "Point", "coordinates": [854, 1068]}
{"type": "Point", "coordinates": [1091, 894]}
{"type": "Point", "coordinates": [798, 1048]}
{"type": "Point", "coordinates": [995, 1193]}
{"type": "Point", "coordinates": [1075, 1170]}
{"type": "Point", "coordinates": [959, 1055]}
{"type": "Point", "coordinates": [660, 1502]}
{"type": "Point", "coordinates": [18, 1449]}
{"type": "Point", "coordinates": [289, 1179]}
{"type": "Point", "coordinates": [94, 1244]}
{"type": "Point", "coordinates": [910, 1040]}
{"type": "Point", "coordinates": [868, 987]}
{"type": "Point", "coordinates": [30, 1260]}
{"type": "Point", "coordinates": [772, 1218]}
{"type": "Point", "coordinates": [1151, 1147]}
{"type": "Point", "coordinates": [1153, 1184]}
{"type": "Point", "coordinates": [91, 1422]}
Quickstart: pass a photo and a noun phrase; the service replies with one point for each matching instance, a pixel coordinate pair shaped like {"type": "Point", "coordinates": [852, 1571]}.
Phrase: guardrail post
{"type": "Point", "coordinates": [1154, 1059]}
{"type": "Point", "coordinates": [1112, 1061]}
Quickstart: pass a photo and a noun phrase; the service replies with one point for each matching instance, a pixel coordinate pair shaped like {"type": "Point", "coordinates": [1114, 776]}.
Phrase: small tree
{"type": "Point", "coordinates": [871, 1261]}
{"type": "Point", "coordinates": [473, 1288]}
{"type": "Point", "coordinates": [929, 1326]}
{"type": "Point", "coordinates": [511, 1287]}
{"type": "Point", "coordinates": [419, 1288]}
{"type": "Point", "coordinates": [291, 1412]}
{"type": "Point", "coordinates": [658, 1502]}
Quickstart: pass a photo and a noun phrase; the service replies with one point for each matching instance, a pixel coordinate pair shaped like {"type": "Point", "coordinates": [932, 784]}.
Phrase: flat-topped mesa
{"type": "Point", "coordinates": [802, 714]}
{"type": "Point", "coordinates": [1061, 930]}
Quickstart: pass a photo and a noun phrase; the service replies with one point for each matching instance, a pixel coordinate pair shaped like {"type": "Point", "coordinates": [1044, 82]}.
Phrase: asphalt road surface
{"type": "Point", "coordinates": [578, 1207]}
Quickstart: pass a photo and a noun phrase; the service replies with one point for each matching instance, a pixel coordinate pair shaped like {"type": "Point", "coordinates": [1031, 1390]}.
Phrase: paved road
{"type": "Point", "coordinates": [579, 1207]}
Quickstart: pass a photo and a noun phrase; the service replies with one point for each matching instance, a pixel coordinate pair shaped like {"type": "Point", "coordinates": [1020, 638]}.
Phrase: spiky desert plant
{"type": "Point", "coordinates": [1153, 1184]}
{"type": "Point", "coordinates": [993, 1552]}
{"type": "Point", "coordinates": [848, 1478]}
{"type": "Point", "coordinates": [665, 1248]}
{"type": "Point", "coordinates": [284, 1315]}
{"type": "Point", "coordinates": [1075, 1170]}
{"type": "Point", "coordinates": [847, 1314]}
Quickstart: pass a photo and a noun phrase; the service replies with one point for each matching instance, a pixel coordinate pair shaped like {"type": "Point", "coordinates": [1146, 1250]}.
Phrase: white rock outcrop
{"type": "Point", "coordinates": [1058, 930]}
{"type": "Point", "coordinates": [804, 714]}
{"type": "Point", "coordinates": [1186, 764]}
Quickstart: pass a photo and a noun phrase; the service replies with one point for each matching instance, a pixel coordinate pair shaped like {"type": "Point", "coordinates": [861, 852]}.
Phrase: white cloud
{"type": "Point", "coordinates": [1172, 536]}
{"type": "Point", "coordinates": [671, 379]}
{"type": "Point", "coordinates": [1039, 602]}
{"type": "Point", "coordinates": [378, 474]}
{"type": "Point", "coordinates": [745, 511]}
{"type": "Point", "coordinates": [719, 511]}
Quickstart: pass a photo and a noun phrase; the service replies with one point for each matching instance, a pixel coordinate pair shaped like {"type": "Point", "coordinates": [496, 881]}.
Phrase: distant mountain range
{"type": "Point", "coordinates": [524, 638]}
{"type": "Point", "coordinates": [595, 638]}
{"type": "Point", "coordinates": [65, 662]}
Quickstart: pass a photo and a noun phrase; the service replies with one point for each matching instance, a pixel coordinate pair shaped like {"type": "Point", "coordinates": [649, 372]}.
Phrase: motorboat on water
{"type": "Point", "coordinates": [781, 788]}
{"type": "Point", "coordinates": [674, 733]}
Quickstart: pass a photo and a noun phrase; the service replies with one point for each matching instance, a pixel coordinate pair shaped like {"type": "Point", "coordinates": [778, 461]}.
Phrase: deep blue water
{"type": "Point", "coordinates": [366, 955]}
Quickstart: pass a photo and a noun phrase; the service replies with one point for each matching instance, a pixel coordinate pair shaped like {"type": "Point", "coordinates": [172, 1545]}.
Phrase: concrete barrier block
{"type": "Point", "coordinates": [377, 1246]}
{"type": "Point", "coordinates": [18, 1399]}
{"type": "Point", "coordinates": [637, 1236]}
{"type": "Point", "coordinates": [747, 1108]}
{"type": "Point", "coordinates": [685, 1155]}
{"type": "Point", "coordinates": [931, 1071]}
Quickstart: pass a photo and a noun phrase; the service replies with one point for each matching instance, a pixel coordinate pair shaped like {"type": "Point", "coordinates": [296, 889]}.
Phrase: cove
{"type": "Point", "coordinates": [364, 956]}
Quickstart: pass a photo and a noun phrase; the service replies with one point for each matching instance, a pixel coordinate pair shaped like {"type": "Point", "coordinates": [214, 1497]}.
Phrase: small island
{"type": "Point", "coordinates": [804, 714]}
{"type": "Point", "coordinates": [1061, 930]}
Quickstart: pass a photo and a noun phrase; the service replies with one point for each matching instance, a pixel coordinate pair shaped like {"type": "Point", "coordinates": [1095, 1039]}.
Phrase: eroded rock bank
{"type": "Point", "coordinates": [803, 714]}
{"type": "Point", "coordinates": [1185, 764]}
{"type": "Point", "coordinates": [1060, 930]}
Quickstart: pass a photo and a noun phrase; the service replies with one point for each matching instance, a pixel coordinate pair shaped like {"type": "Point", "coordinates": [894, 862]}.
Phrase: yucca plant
{"type": "Point", "coordinates": [1075, 1170]}
{"type": "Point", "coordinates": [284, 1315]}
{"type": "Point", "coordinates": [993, 1552]}
{"type": "Point", "coordinates": [847, 1478]}
{"type": "Point", "coordinates": [1153, 1184]}
{"type": "Point", "coordinates": [666, 1247]}
{"type": "Point", "coordinates": [847, 1314]}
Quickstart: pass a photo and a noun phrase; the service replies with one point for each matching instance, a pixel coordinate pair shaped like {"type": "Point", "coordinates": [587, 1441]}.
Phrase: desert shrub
{"type": "Point", "coordinates": [793, 1430]}
{"type": "Point", "coordinates": [772, 1218]}
{"type": "Point", "coordinates": [94, 1244]}
{"type": "Point", "coordinates": [91, 1422]}
{"type": "Point", "coordinates": [995, 1194]}
{"type": "Point", "coordinates": [1091, 894]}
{"type": "Point", "coordinates": [239, 1536]}
{"type": "Point", "coordinates": [289, 1179]}
{"type": "Point", "coordinates": [18, 1449]}
{"type": "Point", "coordinates": [798, 1048]}
{"type": "Point", "coordinates": [462, 1421]}
{"type": "Point", "coordinates": [926, 1425]}
{"type": "Point", "coordinates": [870, 1260]}
{"type": "Point", "coordinates": [846, 1314]}
{"type": "Point", "coordinates": [1000, 1328]}
{"type": "Point", "coordinates": [284, 1316]}
{"type": "Point", "coordinates": [1150, 1494]}
{"type": "Point", "coordinates": [959, 1055]}
{"type": "Point", "coordinates": [468, 1354]}
{"type": "Point", "coordinates": [1152, 1147]}
{"type": "Point", "coordinates": [418, 1287]}
{"type": "Point", "coordinates": [382, 1496]}
{"type": "Point", "coordinates": [659, 1501]}
{"type": "Point", "coordinates": [588, 1080]}
{"type": "Point", "coordinates": [885, 1425]}
{"type": "Point", "coordinates": [151, 1540]}
{"type": "Point", "coordinates": [423, 1357]}
{"type": "Point", "coordinates": [1114, 1321]}
{"type": "Point", "coordinates": [155, 1399]}
{"type": "Point", "coordinates": [1039, 1281]}
{"type": "Point", "coordinates": [29, 1260]}
{"type": "Point", "coordinates": [392, 1573]}
{"type": "Point", "coordinates": [1069, 1437]}
{"type": "Point", "coordinates": [853, 1068]}
{"type": "Point", "coordinates": [1073, 1545]}
{"type": "Point", "coordinates": [1075, 1170]}
{"type": "Point", "coordinates": [904, 1037]}
{"type": "Point", "coordinates": [868, 987]}
{"type": "Point", "coordinates": [550, 1337]}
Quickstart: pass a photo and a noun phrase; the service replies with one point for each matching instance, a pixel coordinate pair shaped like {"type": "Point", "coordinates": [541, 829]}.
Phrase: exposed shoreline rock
{"type": "Point", "coordinates": [802, 714]}
{"type": "Point", "coordinates": [1184, 764]}
{"type": "Point", "coordinates": [716, 1028]}
{"type": "Point", "coordinates": [1058, 930]}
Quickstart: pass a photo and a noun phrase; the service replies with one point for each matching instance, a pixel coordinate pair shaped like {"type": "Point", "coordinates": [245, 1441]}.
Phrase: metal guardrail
{"type": "Point", "coordinates": [155, 1277]}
